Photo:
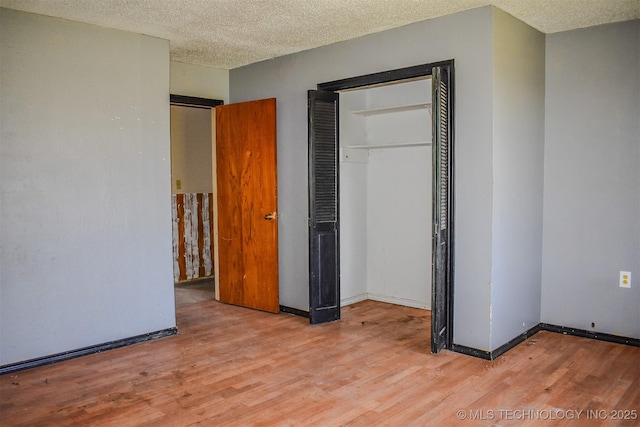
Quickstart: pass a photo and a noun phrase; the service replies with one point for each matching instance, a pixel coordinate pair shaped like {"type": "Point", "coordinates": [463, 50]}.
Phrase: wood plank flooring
{"type": "Point", "coordinates": [240, 367]}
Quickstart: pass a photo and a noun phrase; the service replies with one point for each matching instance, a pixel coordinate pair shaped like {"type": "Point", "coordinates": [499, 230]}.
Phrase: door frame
{"type": "Point", "coordinates": [398, 76]}
{"type": "Point", "coordinates": [207, 104]}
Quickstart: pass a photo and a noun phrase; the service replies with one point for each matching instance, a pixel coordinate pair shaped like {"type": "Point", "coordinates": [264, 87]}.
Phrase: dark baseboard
{"type": "Point", "coordinates": [514, 342]}
{"type": "Point", "coordinates": [470, 351]}
{"type": "Point", "coordinates": [593, 335]}
{"type": "Point", "coordinates": [295, 311]}
{"type": "Point", "coordinates": [491, 355]}
{"type": "Point", "coordinates": [41, 361]}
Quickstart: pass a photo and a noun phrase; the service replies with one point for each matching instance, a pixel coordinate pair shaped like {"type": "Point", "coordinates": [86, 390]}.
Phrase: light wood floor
{"type": "Point", "coordinates": [234, 366]}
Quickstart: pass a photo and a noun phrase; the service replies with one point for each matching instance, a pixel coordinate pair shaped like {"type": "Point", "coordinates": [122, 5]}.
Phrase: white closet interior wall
{"type": "Point", "coordinates": [385, 194]}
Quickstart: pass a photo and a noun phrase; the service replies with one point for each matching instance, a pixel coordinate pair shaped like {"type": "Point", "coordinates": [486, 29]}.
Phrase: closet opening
{"type": "Point", "coordinates": [381, 194]}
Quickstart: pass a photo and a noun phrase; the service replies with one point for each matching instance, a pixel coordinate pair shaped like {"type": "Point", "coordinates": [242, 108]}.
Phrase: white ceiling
{"type": "Point", "coordinates": [231, 33]}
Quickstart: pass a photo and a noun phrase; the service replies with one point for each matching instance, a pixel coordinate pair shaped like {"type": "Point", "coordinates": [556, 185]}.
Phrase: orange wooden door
{"type": "Point", "coordinates": [247, 204]}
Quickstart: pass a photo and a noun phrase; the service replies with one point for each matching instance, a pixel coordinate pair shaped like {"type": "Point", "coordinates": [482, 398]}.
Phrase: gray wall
{"type": "Point", "coordinates": [85, 237]}
{"type": "Point", "coordinates": [592, 179]}
{"type": "Point", "coordinates": [466, 37]}
{"type": "Point", "coordinates": [191, 150]}
{"type": "Point", "coordinates": [199, 81]}
{"type": "Point", "coordinates": [518, 157]}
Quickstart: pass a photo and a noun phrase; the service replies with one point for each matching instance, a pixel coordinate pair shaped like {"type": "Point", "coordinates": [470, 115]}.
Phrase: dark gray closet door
{"type": "Point", "coordinates": [441, 124]}
{"type": "Point", "coordinates": [324, 254]}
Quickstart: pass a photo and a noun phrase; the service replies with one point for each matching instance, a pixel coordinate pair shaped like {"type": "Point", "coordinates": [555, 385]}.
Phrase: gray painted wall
{"type": "Point", "coordinates": [199, 81]}
{"type": "Point", "coordinates": [191, 150]}
{"type": "Point", "coordinates": [467, 37]}
{"type": "Point", "coordinates": [518, 160]}
{"type": "Point", "coordinates": [592, 179]}
{"type": "Point", "coordinates": [85, 237]}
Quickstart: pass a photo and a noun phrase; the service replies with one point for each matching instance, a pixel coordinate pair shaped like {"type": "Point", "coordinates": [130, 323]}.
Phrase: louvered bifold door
{"type": "Point", "coordinates": [324, 257]}
{"type": "Point", "coordinates": [441, 120]}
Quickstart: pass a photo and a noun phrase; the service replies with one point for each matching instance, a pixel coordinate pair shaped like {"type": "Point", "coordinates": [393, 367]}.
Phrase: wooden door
{"type": "Point", "coordinates": [247, 225]}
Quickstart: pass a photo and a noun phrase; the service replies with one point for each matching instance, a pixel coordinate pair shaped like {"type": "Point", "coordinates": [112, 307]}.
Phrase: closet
{"type": "Point", "coordinates": [385, 175]}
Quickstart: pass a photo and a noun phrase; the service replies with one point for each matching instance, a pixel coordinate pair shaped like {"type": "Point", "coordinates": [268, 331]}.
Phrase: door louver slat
{"type": "Point", "coordinates": [324, 128]}
{"type": "Point", "coordinates": [444, 157]}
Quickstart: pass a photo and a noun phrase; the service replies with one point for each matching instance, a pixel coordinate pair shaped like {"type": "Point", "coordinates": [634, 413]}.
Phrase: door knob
{"type": "Point", "coordinates": [271, 216]}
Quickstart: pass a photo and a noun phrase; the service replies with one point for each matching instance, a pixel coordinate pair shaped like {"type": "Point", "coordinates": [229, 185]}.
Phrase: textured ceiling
{"type": "Point", "coordinates": [231, 33]}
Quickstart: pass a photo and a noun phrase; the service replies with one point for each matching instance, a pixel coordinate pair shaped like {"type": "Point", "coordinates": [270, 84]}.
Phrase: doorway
{"type": "Point", "coordinates": [325, 153]}
{"type": "Point", "coordinates": [230, 233]}
{"type": "Point", "coordinates": [192, 199]}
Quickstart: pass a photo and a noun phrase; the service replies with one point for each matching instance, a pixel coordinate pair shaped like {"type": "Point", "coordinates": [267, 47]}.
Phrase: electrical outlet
{"type": "Point", "coordinates": [625, 279]}
{"type": "Point", "coordinates": [178, 184]}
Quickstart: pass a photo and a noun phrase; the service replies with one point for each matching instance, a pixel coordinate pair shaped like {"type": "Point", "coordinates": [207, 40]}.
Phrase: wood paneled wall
{"type": "Point", "coordinates": [192, 215]}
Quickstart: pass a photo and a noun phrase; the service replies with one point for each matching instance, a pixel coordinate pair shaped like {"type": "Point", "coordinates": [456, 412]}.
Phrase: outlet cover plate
{"type": "Point", "coordinates": [625, 279]}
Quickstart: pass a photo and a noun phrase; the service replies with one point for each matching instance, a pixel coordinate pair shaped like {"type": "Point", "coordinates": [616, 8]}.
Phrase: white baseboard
{"type": "Point", "coordinates": [353, 300]}
{"type": "Point", "coordinates": [425, 305]}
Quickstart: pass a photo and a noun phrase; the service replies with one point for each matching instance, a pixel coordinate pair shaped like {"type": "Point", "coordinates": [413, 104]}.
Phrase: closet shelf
{"type": "Point", "coordinates": [393, 109]}
{"type": "Point", "coordinates": [390, 145]}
